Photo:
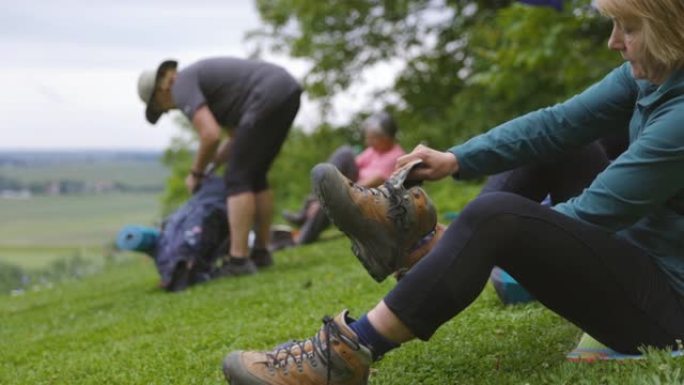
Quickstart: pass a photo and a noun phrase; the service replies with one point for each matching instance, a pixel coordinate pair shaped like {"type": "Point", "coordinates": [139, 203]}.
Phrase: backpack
{"type": "Point", "coordinates": [193, 238]}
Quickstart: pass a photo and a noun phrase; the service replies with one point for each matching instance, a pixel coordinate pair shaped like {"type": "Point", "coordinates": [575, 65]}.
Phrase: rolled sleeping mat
{"type": "Point", "coordinates": [510, 292]}
{"type": "Point", "coordinates": [137, 238]}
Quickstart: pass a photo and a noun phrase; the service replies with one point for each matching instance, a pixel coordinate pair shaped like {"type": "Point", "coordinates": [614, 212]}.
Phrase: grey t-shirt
{"type": "Point", "coordinates": [232, 88]}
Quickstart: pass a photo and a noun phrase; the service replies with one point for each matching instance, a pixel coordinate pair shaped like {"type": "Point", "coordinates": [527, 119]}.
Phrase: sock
{"type": "Point", "coordinates": [427, 238]}
{"type": "Point", "coordinates": [370, 337]}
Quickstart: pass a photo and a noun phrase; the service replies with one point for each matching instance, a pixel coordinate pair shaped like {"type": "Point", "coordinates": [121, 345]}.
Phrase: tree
{"type": "Point", "coordinates": [467, 64]}
{"type": "Point", "coordinates": [178, 159]}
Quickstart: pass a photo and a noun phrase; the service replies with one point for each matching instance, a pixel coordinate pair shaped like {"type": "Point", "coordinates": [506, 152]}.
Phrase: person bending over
{"type": "Point", "coordinates": [255, 103]}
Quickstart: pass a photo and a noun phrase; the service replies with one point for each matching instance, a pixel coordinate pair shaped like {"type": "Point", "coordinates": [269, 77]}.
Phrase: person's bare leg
{"type": "Point", "coordinates": [263, 218]}
{"type": "Point", "coordinates": [241, 211]}
{"type": "Point", "coordinates": [388, 325]}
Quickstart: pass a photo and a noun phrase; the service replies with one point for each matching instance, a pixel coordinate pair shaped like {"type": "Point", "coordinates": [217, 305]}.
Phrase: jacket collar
{"type": "Point", "coordinates": [673, 86]}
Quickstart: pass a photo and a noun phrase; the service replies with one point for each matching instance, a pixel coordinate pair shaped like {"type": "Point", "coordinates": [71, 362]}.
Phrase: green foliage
{"type": "Point", "coordinates": [178, 160]}
{"type": "Point", "coordinates": [14, 278]}
{"type": "Point", "coordinates": [11, 277]}
{"type": "Point", "coordinates": [341, 37]}
{"type": "Point", "coordinates": [530, 57]}
{"type": "Point", "coordinates": [289, 176]}
{"type": "Point", "coordinates": [468, 65]}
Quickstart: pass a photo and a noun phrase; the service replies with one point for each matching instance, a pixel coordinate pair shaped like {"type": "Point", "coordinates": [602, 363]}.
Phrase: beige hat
{"type": "Point", "coordinates": [147, 85]}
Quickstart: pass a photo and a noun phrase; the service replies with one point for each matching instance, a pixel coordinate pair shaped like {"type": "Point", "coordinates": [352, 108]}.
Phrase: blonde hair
{"type": "Point", "coordinates": [662, 29]}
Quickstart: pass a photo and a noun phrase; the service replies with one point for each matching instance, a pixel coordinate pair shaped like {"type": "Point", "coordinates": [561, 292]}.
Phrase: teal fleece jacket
{"type": "Point", "coordinates": [640, 196]}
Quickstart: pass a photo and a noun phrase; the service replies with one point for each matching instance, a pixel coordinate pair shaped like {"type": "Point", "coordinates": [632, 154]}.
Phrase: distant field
{"type": "Point", "coordinates": [33, 258]}
{"type": "Point", "coordinates": [38, 231]}
{"type": "Point", "coordinates": [131, 172]}
{"type": "Point", "coordinates": [86, 220]}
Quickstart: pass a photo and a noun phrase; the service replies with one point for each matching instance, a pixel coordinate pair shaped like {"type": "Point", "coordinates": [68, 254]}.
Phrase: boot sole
{"type": "Point", "coordinates": [241, 377]}
{"type": "Point", "coordinates": [226, 364]}
{"type": "Point", "coordinates": [327, 188]}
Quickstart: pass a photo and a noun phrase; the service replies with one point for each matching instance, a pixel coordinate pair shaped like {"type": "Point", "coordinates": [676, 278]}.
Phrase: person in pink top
{"type": "Point", "coordinates": [370, 168]}
{"type": "Point", "coordinates": [377, 162]}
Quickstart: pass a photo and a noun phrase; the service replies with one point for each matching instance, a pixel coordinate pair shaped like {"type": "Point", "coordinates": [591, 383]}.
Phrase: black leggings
{"type": "Point", "coordinates": [606, 286]}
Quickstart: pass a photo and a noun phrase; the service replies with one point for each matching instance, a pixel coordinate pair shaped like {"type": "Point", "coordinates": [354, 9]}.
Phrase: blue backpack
{"type": "Point", "coordinates": [194, 238]}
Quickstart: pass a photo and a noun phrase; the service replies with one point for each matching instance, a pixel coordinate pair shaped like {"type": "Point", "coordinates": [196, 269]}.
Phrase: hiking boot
{"type": "Point", "coordinates": [261, 257]}
{"type": "Point", "coordinates": [384, 224]}
{"type": "Point", "coordinates": [333, 356]}
{"type": "Point", "coordinates": [231, 269]}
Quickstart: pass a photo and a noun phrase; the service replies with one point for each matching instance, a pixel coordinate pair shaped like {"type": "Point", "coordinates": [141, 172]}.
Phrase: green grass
{"type": "Point", "coordinates": [116, 327]}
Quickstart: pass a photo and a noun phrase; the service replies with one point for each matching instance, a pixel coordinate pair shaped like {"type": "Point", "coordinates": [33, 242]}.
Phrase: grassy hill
{"type": "Point", "coordinates": [112, 325]}
{"type": "Point", "coordinates": [116, 327]}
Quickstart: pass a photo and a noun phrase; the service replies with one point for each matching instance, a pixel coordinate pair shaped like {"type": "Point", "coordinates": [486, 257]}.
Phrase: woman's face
{"type": "Point", "coordinates": [379, 142]}
{"type": "Point", "coordinates": [627, 38]}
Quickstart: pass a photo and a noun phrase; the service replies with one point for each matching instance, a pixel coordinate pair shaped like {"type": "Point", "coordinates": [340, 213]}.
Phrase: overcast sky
{"type": "Point", "coordinates": [69, 68]}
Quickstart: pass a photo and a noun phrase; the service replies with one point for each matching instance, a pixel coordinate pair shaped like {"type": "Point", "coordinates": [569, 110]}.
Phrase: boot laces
{"type": "Point", "coordinates": [397, 202]}
{"type": "Point", "coordinates": [368, 190]}
{"type": "Point", "coordinates": [397, 206]}
{"type": "Point", "coordinates": [278, 358]}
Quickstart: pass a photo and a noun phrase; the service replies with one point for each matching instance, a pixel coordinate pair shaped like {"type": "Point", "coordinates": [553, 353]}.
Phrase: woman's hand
{"type": "Point", "coordinates": [436, 164]}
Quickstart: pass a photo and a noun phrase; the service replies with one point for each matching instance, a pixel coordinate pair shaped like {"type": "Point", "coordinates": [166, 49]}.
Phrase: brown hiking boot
{"type": "Point", "coordinates": [333, 356]}
{"type": "Point", "coordinates": [384, 223]}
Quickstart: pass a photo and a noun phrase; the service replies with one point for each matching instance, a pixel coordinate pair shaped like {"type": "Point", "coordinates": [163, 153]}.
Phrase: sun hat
{"type": "Point", "coordinates": [147, 86]}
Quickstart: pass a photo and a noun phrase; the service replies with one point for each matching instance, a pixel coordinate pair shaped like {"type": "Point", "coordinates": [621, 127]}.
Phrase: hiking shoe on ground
{"type": "Point", "coordinates": [333, 356]}
{"type": "Point", "coordinates": [384, 224]}
{"type": "Point", "coordinates": [590, 350]}
{"type": "Point", "coordinates": [231, 269]}
{"type": "Point", "coordinates": [261, 257]}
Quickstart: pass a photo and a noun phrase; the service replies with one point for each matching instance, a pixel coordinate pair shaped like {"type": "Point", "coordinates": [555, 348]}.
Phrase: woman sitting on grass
{"type": "Point", "coordinates": [610, 259]}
